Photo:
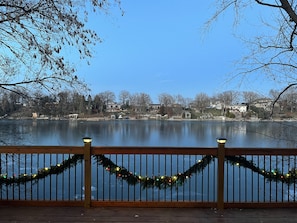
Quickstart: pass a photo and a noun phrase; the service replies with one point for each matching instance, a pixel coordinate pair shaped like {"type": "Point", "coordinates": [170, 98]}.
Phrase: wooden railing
{"type": "Point", "coordinates": [216, 177]}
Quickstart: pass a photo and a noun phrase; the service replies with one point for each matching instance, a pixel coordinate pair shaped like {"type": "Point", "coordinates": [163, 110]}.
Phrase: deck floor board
{"type": "Point", "coordinates": [115, 214]}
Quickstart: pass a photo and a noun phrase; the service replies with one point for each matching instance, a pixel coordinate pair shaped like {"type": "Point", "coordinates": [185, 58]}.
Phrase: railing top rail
{"type": "Point", "coordinates": [260, 151]}
{"type": "Point", "coordinates": [145, 150]}
{"type": "Point", "coordinates": [154, 150]}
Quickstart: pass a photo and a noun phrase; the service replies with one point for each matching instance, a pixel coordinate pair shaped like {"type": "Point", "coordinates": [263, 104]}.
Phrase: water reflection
{"type": "Point", "coordinates": [148, 133]}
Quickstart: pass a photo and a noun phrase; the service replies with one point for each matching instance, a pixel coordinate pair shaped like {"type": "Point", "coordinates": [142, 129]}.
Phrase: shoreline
{"type": "Point", "coordinates": [97, 119]}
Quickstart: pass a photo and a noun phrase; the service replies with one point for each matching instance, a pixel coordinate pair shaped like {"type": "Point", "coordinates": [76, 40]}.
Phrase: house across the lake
{"type": "Point", "coordinates": [239, 108]}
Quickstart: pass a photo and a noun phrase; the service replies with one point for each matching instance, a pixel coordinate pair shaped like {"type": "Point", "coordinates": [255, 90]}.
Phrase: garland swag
{"type": "Point", "coordinates": [160, 182]}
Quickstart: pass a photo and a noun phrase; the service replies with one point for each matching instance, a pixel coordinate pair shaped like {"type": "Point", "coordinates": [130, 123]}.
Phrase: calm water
{"type": "Point", "coordinates": [148, 133]}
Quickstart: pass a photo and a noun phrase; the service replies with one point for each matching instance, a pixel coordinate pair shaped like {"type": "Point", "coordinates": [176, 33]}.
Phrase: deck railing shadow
{"type": "Point", "coordinates": [92, 176]}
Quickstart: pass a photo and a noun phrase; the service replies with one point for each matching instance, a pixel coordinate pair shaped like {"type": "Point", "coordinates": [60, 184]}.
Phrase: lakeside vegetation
{"type": "Point", "coordinates": [73, 105]}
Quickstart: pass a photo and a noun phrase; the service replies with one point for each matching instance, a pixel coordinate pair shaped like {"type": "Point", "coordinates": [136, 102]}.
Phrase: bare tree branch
{"type": "Point", "coordinates": [279, 95]}
{"type": "Point", "coordinates": [37, 35]}
{"type": "Point", "coordinates": [288, 8]}
{"type": "Point", "coordinates": [267, 4]}
{"type": "Point", "coordinates": [274, 51]}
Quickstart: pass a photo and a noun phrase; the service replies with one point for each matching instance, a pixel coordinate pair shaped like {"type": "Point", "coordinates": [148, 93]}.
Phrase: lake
{"type": "Point", "coordinates": [148, 133]}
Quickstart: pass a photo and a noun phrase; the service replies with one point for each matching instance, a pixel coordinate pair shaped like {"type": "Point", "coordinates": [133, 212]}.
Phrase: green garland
{"type": "Point", "coordinates": [273, 175]}
{"type": "Point", "coordinates": [42, 173]}
{"type": "Point", "coordinates": [160, 182]}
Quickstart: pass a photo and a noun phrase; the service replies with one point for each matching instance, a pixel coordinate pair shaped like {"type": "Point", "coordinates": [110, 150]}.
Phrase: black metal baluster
{"type": "Point", "coordinates": [62, 181]}
{"type": "Point", "coordinates": [109, 184]}
{"type": "Point", "coordinates": [276, 185]}
{"type": "Point", "coordinates": [19, 173]}
{"type": "Point", "coordinates": [140, 170]}
{"type": "Point", "coordinates": [1, 171]}
{"type": "Point", "coordinates": [258, 164]}
{"type": "Point", "coordinates": [82, 193]}
{"type": "Point", "coordinates": [153, 172]}
{"type": "Point", "coordinates": [164, 174]}
{"type": "Point", "coordinates": [190, 192]}
{"type": "Point", "coordinates": [270, 182]}
{"type": "Point", "coordinates": [239, 183]}
{"type": "Point", "coordinates": [122, 182]}
{"type": "Point", "coordinates": [208, 181]}
{"type": "Point", "coordinates": [134, 190]}
{"type": "Point", "coordinates": [159, 174]}
{"type": "Point", "coordinates": [171, 199]}
{"type": "Point", "coordinates": [282, 185]}
{"type": "Point", "coordinates": [44, 181]}
{"type": "Point", "coordinates": [294, 184]}
{"type": "Point", "coordinates": [57, 177]}
{"type": "Point", "coordinates": [202, 183]}
{"type": "Point", "coordinates": [116, 180]}
{"type": "Point", "coordinates": [70, 183]}
{"type": "Point", "coordinates": [37, 182]}
{"type": "Point", "coordinates": [31, 168]}
{"type": "Point", "coordinates": [14, 175]}
{"type": "Point", "coordinates": [50, 179]}
{"type": "Point", "coordinates": [76, 180]}
{"type": "Point", "coordinates": [147, 173]}
{"type": "Point", "coordinates": [264, 186]}
{"type": "Point", "coordinates": [177, 168]}
{"type": "Point", "coordinates": [245, 182]}
{"type": "Point", "coordinates": [252, 176]}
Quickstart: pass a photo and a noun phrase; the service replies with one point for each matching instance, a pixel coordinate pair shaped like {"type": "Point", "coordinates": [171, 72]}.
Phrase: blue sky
{"type": "Point", "coordinates": [162, 47]}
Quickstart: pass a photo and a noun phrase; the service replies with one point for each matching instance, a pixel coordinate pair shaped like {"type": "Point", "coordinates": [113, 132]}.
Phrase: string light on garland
{"type": "Point", "coordinates": [272, 175]}
{"type": "Point", "coordinates": [41, 173]}
{"type": "Point", "coordinates": [160, 182]}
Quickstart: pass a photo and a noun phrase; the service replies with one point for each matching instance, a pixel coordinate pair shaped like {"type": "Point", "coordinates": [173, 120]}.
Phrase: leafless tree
{"type": "Point", "coordinates": [107, 97]}
{"type": "Point", "coordinates": [274, 93]}
{"type": "Point", "coordinates": [37, 37]}
{"type": "Point", "coordinates": [166, 100]}
{"type": "Point", "coordinates": [250, 96]}
{"type": "Point", "coordinates": [181, 100]}
{"type": "Point", "coordinates": [273, 48]}
{"type": "Point", "coordinates": [289, 100]}
{"type": "Point", "coordinates": [140, 101]}
{"type": "Point", "coordinates": [202, 101]}
{"type": "Point", "coordinates": [228, 97]}
{"type": "Point", "coordinates": [124, 97]}
{"type": "Point", "coordinates": [98, 103]}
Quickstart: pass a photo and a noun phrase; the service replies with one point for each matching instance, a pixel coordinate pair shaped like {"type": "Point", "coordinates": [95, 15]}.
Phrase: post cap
{"type": "Point", "coordinates": [87, 140]}
{"type": "Point", "coordinates": [221, 140]}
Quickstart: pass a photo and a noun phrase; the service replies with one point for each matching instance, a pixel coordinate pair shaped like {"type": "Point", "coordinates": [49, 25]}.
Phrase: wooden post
{"type": "Point", "coordinates": [221, 160]}
{"type": "Point", "coordinates": [87, 160]}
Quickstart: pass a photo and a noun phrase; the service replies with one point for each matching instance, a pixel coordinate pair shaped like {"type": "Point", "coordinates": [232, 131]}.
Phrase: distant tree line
{"type": "Point", "coordinates": [69, 102]}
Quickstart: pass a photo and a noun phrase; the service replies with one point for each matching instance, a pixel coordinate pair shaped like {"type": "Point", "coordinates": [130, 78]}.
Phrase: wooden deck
{"type": "Point", "coordinates": [79, 214]}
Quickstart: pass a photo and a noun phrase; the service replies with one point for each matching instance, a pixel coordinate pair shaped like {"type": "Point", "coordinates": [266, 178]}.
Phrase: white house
{"type": "Point", "coordinates": [239, 108]}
